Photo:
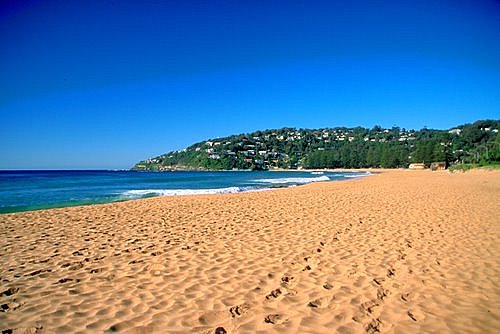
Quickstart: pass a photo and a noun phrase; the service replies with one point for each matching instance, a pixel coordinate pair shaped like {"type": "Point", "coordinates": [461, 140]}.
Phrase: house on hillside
{"type": "Point", "coordinates": [417, 165]}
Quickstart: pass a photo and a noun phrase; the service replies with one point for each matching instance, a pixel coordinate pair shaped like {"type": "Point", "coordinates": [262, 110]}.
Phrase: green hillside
{"type": "Point", "coordinates": [336, 148]}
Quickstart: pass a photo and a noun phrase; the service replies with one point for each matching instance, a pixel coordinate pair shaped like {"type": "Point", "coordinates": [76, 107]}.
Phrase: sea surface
{"type": "Point", "coordinates": [32, 190]}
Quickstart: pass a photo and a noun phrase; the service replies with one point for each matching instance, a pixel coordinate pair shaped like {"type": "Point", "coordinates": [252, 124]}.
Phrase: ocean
{"type": "Point", "coordinates": [33, 190]}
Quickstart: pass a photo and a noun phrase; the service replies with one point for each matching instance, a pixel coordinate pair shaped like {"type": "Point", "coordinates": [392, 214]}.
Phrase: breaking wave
{"type": "Point", "coordinates": [294, 180]}
{"type": "Point", "coordinates": [141, 193]}
{"type": "Point", "coordinates": [352, 175]}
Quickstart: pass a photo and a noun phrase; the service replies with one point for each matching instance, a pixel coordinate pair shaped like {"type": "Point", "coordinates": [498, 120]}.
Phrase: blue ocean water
{"type": "Point", "coordinates": [32, 190]}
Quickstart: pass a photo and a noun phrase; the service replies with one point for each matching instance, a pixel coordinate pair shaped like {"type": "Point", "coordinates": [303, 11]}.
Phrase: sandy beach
{"type": "Point", "coordinates": [396, 252]}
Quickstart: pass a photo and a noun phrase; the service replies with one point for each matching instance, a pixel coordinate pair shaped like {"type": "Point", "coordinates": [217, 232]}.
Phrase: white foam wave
{"type": "Point", "coordinates": [354, 175]}
{"type": "Point", "coordinates": [138, 193]}
{"type": "Point", "coordinates": [317, 173]}
{"type": "Point", "coordinates": [295, 180]}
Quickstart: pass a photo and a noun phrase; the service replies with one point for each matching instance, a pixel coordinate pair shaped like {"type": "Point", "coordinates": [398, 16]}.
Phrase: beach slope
{"type": "Point", "coordinates": [396, 252]}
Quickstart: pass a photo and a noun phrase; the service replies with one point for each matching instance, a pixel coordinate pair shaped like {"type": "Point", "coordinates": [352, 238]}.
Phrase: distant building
{"type": "Point", "coordinates": [416, 165]}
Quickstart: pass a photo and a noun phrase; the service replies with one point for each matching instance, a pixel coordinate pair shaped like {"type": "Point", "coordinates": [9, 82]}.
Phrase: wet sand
{"type": "Point", "coordinates": [396, 252]}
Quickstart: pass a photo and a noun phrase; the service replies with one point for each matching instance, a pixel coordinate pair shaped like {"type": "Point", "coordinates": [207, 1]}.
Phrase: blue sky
{"type": "Point", "coordinates": [104, 84]}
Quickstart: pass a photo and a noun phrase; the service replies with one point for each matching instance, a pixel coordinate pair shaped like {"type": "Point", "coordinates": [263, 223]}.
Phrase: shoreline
{"type": "Point", "coordinates": [396, 252]}
{"type": "Point", "coordinates": [170, 192]}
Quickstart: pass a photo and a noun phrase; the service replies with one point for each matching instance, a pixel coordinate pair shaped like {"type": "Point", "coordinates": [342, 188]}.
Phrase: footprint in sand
{"type": "Point", "coordinates": [239, 310]}
{"type": "Point", "coordinates": [274, 294]}
{"type": "Point", "coordinates": [275, 319]}
{"type": "Point", "coordinates": [328, 286]}
{"type": "Point", "coordinates": [319, 303]}
{"type": "Point", "coordinates": [369, 306]}
{"type": "Point", "coordinates": [373, 326]}
{"type": "Point", "coordinates": [34, 330]}
{"type": "Point", "coordinates": [220, 330]}
{"type": "Point", "coordinates": [382, 293]}
{"type": "Point", "coordinates": [286, 280]}
{"type": "Point", "coordinates": [9, 292]}
{"type": "Point", "coordinates": [412, 316]}
{"type": "Point", "coordinates": [9, 307]}
{"type": "Point", "coordinates": [405, 296]}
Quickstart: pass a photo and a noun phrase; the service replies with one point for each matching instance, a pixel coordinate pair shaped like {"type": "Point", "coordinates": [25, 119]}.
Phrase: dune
{"type": "Point", "coordinates": [396, 252]}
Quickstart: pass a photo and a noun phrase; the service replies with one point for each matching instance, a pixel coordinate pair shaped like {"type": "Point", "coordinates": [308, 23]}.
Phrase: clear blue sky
{"type": "Point", "coordinates": [104, 84]}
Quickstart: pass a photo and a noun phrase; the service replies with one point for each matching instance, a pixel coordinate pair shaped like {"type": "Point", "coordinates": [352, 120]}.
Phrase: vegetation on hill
{"type": "Point", "coordinates": [481, 165]}
{"type": "Point", "coordinates": [337, 148]}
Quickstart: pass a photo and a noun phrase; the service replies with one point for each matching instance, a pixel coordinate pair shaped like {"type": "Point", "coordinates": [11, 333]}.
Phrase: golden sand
{"type": "Point", "coordinates": [397, 252]}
